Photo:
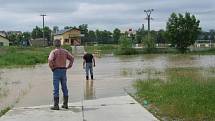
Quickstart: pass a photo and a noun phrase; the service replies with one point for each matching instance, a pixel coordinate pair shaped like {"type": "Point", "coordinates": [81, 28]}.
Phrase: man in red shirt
{"type": "Point", "coordinates": [57, 62]}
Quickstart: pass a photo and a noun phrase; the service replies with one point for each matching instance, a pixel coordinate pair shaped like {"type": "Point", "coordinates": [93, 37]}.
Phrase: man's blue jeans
{"type": "Point", "coordinates": [89, 67]}
{"type": "Point", "coordinates": [59, 76]}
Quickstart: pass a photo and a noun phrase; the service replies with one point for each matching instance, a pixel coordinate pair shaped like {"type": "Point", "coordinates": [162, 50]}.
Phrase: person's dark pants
{"type": "Point", "coordinates": [59, 76]}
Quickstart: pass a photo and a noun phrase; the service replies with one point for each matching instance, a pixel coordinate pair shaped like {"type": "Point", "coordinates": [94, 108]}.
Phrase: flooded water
{"type": "Point", "coordinates": [113, 75]}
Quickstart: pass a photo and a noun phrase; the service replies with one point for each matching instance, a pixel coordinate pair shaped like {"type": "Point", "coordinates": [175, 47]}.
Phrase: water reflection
{"type": "Point", "coordinates": [89, 91]}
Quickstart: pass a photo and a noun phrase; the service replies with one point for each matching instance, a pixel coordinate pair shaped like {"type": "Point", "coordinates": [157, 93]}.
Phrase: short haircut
{"type": "Point", "coordinates": [57, 43]}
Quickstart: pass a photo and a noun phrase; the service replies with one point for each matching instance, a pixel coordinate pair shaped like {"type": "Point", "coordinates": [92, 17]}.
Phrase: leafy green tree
{"type": "Point", "coordinates": [161, 36]}
{"type": "Point", "coordinates": [98, 36]}
{"type": "Point", "coordinates": [149, 43]}
{"type": "Point", "coordinates": [55, 29]}
{"type": "Point", "coordinates": [92, 36]}
{"type": "Point", "coordinates": [104, 37]}
{"type": "Point", "coordinates": [37, 33]}
{"type": "Point", "coordinates": [47, 33]}
{"type": "Point", "coordinates": [182, 30]}
{"type": "Point", "coordinates": [125, 47]}
{"type": "Point", "coordinates": [12, 38]}
{"type": "Point", "coordinates": [26, 35]}
{"type": "Point", "coordinates": [125, 43]}
{"type": "Point", "coordinates": [84, 30]}
{"type": "Point", "coordinates": [116, 35]}
{"type": "Point", "coordinates": [140, 35]}
{"type": "Point", "coordinates": [19, 39]}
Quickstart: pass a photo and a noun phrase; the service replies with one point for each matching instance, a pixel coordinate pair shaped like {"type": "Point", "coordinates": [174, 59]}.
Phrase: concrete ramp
{"type": "Point", "coordinates": [123, 108]}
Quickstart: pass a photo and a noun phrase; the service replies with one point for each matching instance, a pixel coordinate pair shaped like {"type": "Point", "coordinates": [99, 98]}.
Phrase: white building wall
{"type": "Point", "coordinates": [4, 41]}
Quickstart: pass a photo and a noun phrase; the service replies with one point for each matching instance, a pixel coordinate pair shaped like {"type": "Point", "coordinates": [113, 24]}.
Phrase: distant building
{"type": "Point", "coordinates": [38, 42]}
{"type": "Point", "coordinates": [4, 41]}
{"type": "Point", "coordinates": [131, 32]}
{"type": "Point", "coordinates": [69, 36]}
{"type": "Point", "coordinates": [14, 32]}
{"type": "Point", "coordinates": [3, 33]}
{"type": "Point", "coordinates": [203, 44]}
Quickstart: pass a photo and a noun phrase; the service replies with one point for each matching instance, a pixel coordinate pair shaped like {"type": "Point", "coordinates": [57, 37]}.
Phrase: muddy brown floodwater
{"type": "Point", "coordinates": [33, 86]}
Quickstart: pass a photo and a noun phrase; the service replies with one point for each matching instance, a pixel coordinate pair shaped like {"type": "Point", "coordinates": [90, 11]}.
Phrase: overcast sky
{"type": "Point", "coordinates": [24, 15]}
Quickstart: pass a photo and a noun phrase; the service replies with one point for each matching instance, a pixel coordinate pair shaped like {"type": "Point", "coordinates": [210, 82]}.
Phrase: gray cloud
{"type": "Point", "coordinates": [102, 14]}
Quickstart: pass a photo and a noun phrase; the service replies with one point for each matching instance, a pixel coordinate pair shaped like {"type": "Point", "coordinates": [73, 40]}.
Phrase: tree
{"type": "Point", "coordinates": [55, 29]}
{"type": "Point", "coordinates": [161, 36]}
{"type": "Point", "coordinates": [84, 30]}
{"type": "Point", "coordinates": [12, 38]}
{"type": "Point", "coordinates": [26, 35]}
{"type": "Point", "coordinates": [106, 37]}
{"type": "Point", "coordinates": [116, 35]}
{"type": "Point", "coordinates": [92, 36]}
{"type": "Point", "coordinates": [37, 33]}
{"type": "Point", "coordinates": [140, 34]}
{"type": "Point", "coordinates": [125, 47]}
{"type": "Point", "coordinates": [125, 43]}
{"type": "Point", "coordinates": [182, 31]}
{"type": "Point", "coordinates": [47, 33]}
{"type": "Point", "coordinates": [149, 43]}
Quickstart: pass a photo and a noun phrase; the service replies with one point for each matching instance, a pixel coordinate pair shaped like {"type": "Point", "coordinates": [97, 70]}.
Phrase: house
{"type": "Point", "coordinates": [3, 33]}
{"type": "Point", "coordinates": [69, 36]}
{"type": "Point", "coordinates": [203, 44]}
{"type": "Point", "coordinates": [4, 41]}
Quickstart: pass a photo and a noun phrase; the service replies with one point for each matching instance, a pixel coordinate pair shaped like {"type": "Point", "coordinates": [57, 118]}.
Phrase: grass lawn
{"type": "Point", "coordinates": [184, 96]}
{"type": "Point", "coordinates": [16, 56]}
{"type": "Point", "coordinates": [2, 112]}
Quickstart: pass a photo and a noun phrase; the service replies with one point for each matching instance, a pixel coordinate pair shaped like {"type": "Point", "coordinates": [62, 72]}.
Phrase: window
{"type": "Point", "coordinates": [1, 43]}
{"type": "Point", "coordinates": [66, 40]}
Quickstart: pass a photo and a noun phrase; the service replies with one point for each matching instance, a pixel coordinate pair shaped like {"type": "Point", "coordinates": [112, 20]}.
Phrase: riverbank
{"type": "Point", "coordinates": [186, 94]}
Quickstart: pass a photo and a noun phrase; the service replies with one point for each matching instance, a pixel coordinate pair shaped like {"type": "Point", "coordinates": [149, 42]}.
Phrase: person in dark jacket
{"type": "Point", "coordinates": [88, 64]}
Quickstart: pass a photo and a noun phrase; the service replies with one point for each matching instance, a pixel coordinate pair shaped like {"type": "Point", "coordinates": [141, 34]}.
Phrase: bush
{"type": "Point", "coordinates": [127, 51]}
{"type": "Point", "coordinates": [125, 43]}
{"type": "Point", "coordinates": [125, 47]}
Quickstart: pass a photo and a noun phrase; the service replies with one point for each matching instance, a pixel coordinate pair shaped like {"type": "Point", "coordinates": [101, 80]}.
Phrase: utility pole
{"type": "Point", "coordinates": [43, 15]}
{"type": "Point", "coordinates": [148, 13]}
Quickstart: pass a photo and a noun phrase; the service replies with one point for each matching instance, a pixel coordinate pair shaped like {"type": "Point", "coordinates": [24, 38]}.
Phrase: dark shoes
{"type": "Point", "coordinates": [87, 77]}
{"type": "Point", "coordinates": [56, 102]}
{"type": "Point", "coordinates": [65, 102]}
